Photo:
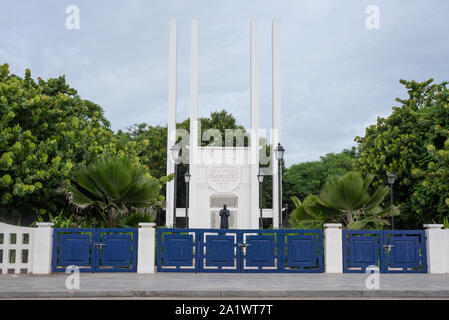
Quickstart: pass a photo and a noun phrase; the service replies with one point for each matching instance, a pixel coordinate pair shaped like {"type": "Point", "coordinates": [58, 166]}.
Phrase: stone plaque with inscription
{"type": "Point", "coordinates": [217, 201]}
{"type": "Point", "coordinates": [223, 178]}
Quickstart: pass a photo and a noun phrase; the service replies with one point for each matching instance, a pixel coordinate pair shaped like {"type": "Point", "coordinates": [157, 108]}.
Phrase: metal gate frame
{"type": "Point", "coordinates": [392, 251]}
{"type": "Point", "coordinates": [95, 249]}
{"type": "Point", "coordinates": [231, 250]}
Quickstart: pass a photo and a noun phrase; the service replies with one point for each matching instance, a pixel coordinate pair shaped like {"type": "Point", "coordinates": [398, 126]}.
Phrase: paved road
{"type": "Point", "coordinates": [188, 285]}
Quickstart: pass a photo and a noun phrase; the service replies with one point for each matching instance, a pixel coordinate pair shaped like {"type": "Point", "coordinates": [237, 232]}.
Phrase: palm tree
{"type": "Point", "coordinates": [346, 199]}
{"type": "Point", "coordinates": [114, 187]}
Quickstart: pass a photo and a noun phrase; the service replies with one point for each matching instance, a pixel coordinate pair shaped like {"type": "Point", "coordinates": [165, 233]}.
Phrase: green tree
{"type": "Point", "coordinates": [303, 179]}
{"type": "Point", "coordinates": [46, 130]}
{"type": "Point", "coordinates": [114, 188]}
{"type": "Point", "coordinates": [412, 143]}
{"type": "Point", "coordinates": [346, 199]}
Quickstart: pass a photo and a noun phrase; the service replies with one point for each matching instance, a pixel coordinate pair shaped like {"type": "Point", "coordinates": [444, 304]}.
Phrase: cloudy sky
{"type": "Point", "coordinates": [338, 76]}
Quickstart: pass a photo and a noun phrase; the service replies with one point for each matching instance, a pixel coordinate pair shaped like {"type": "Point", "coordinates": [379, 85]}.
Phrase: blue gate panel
{"type": "Point", "coordinates": [302, 251]}
{"type": "Point", "coordinates": [177, 250]}
{"type": "Point", "coordinates": [95, 250]}
{"type": "Point", "coordinates": [240, 250]}
{"type": "Point", "coordinates": [261, 251]}
{"type": "Point", "coordinates": [220, 251]}
{"type": "Point", "coordinates": [393, 251]}
{"type": "Point", "coordinates": [361, 248]}
{"type": "Point", "coordinates": [404, 251]}
{"type": "Point", "coordinates": [117, 251]}
{"type": "Point", "coordinates": [75, 250]}
{"type": "Point", "coordinates": [73, 246]}
{"type": "Point", "coordinates": [363, 251]}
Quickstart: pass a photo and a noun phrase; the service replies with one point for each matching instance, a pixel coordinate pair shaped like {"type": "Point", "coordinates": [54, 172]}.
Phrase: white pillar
{"type": "Point", "coordinates": [437, 248]}
{"type": "Point", "coordinates": [42, 248]}
{"type": "Point", "coordinates": [276, 109]}
{"type": "Point", "coordinates": [254, 147]}
{"type": "Point", "coordinates": [194, 215]}
{"type": "Point", "coordinates": [146, 248]}
{"type": "Point", "coordinates": [333, 248]}
{"type": "Point", "coordinates": [171, 126]}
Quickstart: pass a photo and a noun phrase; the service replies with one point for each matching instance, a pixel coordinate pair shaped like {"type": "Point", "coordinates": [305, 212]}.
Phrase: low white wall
{"type": "Point", "coordinates": [16, 249]}
{"type": "Point", "coordinates": [24, 249]}
{"type": "Point", "coordinates": [29, 250]}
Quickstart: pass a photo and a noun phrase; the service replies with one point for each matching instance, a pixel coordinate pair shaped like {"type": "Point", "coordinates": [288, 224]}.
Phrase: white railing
{"type": "Point", "coordinates": [16, 254]}
{"type": "Point", "coordinates": [25, 250]}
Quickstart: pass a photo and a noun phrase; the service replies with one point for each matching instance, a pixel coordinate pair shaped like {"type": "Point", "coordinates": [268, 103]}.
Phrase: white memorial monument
{"type": "Point", "coordinates": [223, 175]}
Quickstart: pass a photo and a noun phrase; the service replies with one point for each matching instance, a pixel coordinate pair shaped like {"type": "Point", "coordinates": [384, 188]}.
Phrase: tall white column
{"type": "Point", "coordinates": [276, 108]}
{"type": "Point", "coordinates": [254, 147]}
{"type": "Point", "coordinates": [195, 219]}
{"type": "Point", "coordinates": [171, 127]}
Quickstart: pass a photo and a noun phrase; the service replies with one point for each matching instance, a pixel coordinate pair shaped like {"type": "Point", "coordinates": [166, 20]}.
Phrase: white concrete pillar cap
{"type": "Point", "coordinates": [433, 226]}
{"type": "Point", "coordinates": [147, 224]}
{"type": "Point", "coordinates": [44, 224]}
{"type": "Point", "coordinates": [333, 225]}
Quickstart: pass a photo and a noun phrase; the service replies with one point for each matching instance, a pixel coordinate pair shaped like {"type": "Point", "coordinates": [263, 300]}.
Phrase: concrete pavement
{"type": "Point", "coordinates": [214, 285]}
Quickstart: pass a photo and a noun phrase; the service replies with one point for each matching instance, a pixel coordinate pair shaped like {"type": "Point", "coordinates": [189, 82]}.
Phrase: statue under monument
{"type": "Point", "coordinates": [224, 218]}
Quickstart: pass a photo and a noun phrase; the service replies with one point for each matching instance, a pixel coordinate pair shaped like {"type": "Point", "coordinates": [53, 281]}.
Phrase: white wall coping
{"type": "Point", "coordinates": [333, 225]}
{"type": "Point", "coordinates": [44, 224]}
{"type": "Point", "coordinates": [433, 226]}
{"type": "Point", "coordinates": [147, 224]}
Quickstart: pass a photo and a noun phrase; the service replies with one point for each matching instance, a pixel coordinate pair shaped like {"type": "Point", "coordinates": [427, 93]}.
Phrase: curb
{"type": "Point", "coordinates": [229, 294]}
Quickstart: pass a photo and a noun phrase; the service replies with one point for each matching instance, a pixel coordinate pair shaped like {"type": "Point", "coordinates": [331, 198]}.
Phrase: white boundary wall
{"type": "Point", "coordinates": [24, 249]}
{"type": "Point", "coordinates": [16, 249]}
{"type": "Point", "coordinates": [29, 250]}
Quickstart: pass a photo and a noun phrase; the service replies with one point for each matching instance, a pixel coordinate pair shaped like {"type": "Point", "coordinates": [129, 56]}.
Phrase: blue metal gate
{"type": "Point", "coordinates": [392, 251]}
{"type": "Point", "coordinates": [220, 250]}
{"type": "Point", "coordinates": [95, 250]}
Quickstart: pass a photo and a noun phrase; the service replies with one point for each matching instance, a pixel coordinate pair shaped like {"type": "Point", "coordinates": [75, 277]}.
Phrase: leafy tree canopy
{"type": "Point", "coordinates": [413, 144]}
{"type": "Point", "coordinates": [46, 131]}
{"type": "Point", "coordinates": [303, 179]}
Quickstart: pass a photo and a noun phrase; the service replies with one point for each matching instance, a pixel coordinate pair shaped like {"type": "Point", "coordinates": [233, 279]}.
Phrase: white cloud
{"type": "Point", "coordinates": [337, 76]}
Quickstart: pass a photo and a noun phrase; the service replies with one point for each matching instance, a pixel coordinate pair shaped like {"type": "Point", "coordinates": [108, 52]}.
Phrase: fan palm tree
{"type": "Point", "coordinates": [346, 199]}
{"type": "Point", "coordinates": [114, 187]}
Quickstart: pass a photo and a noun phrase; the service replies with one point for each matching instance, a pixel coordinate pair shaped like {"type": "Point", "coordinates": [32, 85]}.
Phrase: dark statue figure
{"type": "Point", "coordinates": [224, 218]}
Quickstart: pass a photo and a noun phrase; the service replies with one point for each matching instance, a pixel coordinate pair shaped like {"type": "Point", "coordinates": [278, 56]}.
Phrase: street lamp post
{"type": "Point", "coordinates": [279, 151]}
{"type": "Point", "coordinates": [390, 178]}
{"type": "Point", "coordinates": [175, 154]}
{"type": "Point", "coordinates": [187, 181]}
{"type": "Point", "coordinates": [260, 178]}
